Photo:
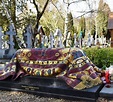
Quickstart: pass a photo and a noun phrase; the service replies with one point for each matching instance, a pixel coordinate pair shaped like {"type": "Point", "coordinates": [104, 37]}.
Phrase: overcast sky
{"type": "Point", "coordinates": [83, 6]}
{"type": "Point", "coordinates": [76, 8]}
{"type": "Point", "coordinates": [110, 3]}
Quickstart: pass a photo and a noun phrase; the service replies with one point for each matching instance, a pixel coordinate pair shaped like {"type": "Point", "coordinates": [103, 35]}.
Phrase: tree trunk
{"type": "Point", "coordinates": [39, 15]}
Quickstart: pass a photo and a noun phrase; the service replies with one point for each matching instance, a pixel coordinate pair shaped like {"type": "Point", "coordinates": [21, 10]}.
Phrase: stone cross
{"type": "Point", "coordinates": [68, 42]}
{"type": "Point", "coordinates": [80, 39]}
{"type": "Point", "coordinates": [44, 41]}
{"type": "Point", "coordinates": [51, 41]}
{"type": "Point", "coordinates": [58, 35]}
{"type": "Point", "coordinates": [28, 34]}
{"type": "Point", "coordinates": [11, 34]}
{"type": "Point", "coordinates": [75, 40]}
{"type": "Point", "coordinates": [89, 40]}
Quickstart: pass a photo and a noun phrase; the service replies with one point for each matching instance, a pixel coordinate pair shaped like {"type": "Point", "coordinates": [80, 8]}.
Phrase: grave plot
{"type": "Point", "coordinates": [107, 91]}
{"type": "Point", "coordinates": [50, 87]}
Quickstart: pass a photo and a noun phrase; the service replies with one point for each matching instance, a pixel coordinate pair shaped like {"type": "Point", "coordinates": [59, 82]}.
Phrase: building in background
{"type": "Point", "coordinates": [110, 27]}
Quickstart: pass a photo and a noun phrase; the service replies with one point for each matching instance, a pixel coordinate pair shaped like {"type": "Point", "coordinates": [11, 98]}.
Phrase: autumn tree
{"type": "Point", "coordinates": [53, 17]}
{"type": "Point", "coordinates": [102, 18]}
{"type": "Point", "coordinates": [70, 23]}
{"type": "Point", "coordinates": [11, 7]}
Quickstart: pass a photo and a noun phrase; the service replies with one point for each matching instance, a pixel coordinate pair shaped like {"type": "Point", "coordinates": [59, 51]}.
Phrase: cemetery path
{"type": "Point", "coordinates": [12, 96]}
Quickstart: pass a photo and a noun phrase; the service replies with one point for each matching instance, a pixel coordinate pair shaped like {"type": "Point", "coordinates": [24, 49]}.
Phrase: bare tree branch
{"type": "Point", "coordinates": [44, 7]}
{"type": "Point", "coordinates": [91, 11]}
{"type": "Point", "coordinates": [89, 5]}
{"type": "Point", "coordinates": [40, 13]}
{"type": "Point", "coordinates": [36, 6]}
{"type": "Point", "coordinates": [69, 3]}
{"type": "Point", "coordinates": [57, 10]}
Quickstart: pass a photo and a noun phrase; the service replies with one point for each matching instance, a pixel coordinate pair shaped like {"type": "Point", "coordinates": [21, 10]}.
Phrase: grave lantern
{"type": "Point", "coordinates": [110, 26]}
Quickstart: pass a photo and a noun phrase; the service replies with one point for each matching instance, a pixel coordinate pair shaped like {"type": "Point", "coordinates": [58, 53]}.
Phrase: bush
{"type": "Point", "coordinates": [101, 57]}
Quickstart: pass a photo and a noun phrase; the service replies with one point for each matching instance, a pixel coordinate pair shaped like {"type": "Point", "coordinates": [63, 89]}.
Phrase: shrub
{"type": "Point", "coordinates": [101, 57]}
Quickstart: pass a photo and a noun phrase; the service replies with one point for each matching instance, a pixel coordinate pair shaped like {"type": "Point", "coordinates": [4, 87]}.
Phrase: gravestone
{"type": "Point", "coordinates": [95, 41]}
{"type": "Point", "coordinates": [75, 41]}
{"type": "Point", "coordinates": [107, 92]}
{"type": "Point", "coordinates": [89, 40]}
{"type": "Point", "coordinates": [80, 39]}
{"type": "Point", "coordinates": [58, 40]}
{"type": "Point", "coordinates": [28, 36]}
{"type": "Point", "coordinates": [1, 43]}
{"type": "Point", "coordinates": [68, 42]}
{"type": "Point", "coordinates": [51, 40]}
{"type": "Point", "coordinates": [38, 37]}
{"type": "Point", "coordinates": [11, 33]}
{"type": "Point", "coordinates": [44, 41]}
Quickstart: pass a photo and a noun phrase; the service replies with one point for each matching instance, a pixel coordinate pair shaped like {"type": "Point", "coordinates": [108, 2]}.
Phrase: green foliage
{"type": "Point", "coordinates": [70, 24]}
{"type": "Point", "coordinates": [102, 18]}
{"type": "Point", "coordinates": [51, 19]}
{"type": "Point", "coordinates": [101, 57]}
{"type": "Point", "coordinates": [82, 25]}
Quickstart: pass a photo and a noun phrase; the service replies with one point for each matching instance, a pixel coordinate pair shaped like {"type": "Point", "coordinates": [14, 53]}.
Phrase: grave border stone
{"type": "Point", "coordinates": [44, 86]}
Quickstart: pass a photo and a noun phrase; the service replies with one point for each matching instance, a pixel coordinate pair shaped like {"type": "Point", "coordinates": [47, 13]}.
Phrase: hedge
{"type": "Point", "coordinates": [101, 57]}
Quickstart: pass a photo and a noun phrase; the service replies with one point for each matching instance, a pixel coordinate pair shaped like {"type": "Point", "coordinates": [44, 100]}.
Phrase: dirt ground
{"type": "Point", "coordinates": [13, 96]}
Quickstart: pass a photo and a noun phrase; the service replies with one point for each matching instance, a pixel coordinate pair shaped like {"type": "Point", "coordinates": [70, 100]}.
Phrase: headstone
{"type": "Point", "coordinates": [39, 36]}
{"type": "Point", "coordinates": [51, 40]}
{"type": "Point", "coordinates": [44, 41]}
{"type": "Point", "coordinates": [92, 40]}
{"type": "Point", "coordinates": [80, 39]}
{"type": "Point", "coordinates": [75, 40]}
{"type": "Point", "coordinates": [68, 40]}
{"type": "Point", "coordinates": [89, 40]}
{"type": "Point", "coordinates": [1, 43]}
{"type": "Point", "coordinates": [58, 36]}
{"type": "Point", "coordinates": [105, 43]}
{"type": "Point", "coordinates": [5, 45]}
{"type": "Point", "coordinates": [107, 92]}
{"type": "Point", "coordinates": [36, 42]}
{"type": "Point", "coordinates": [95, 42]}
{"type": "Point", "coordinates": [28, 34]}
{"type": "Point", "coordinates": [11, 34]}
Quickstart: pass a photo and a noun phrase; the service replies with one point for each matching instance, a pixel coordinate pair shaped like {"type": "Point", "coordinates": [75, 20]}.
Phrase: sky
{"type": "Point", "coordinates": [82, 6]}
{"type": "Point", "coordinates": [76, 8]}
{"type": "Point", "coordinates": [110, 3]}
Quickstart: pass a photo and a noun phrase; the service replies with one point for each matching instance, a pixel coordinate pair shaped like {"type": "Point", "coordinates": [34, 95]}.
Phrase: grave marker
{"type": "Point", "coordinates": [1, 43]}
{"type": "Point", "coordinates": [28, 34]}
{"type": "Point", "coordinates": [11, 33]}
